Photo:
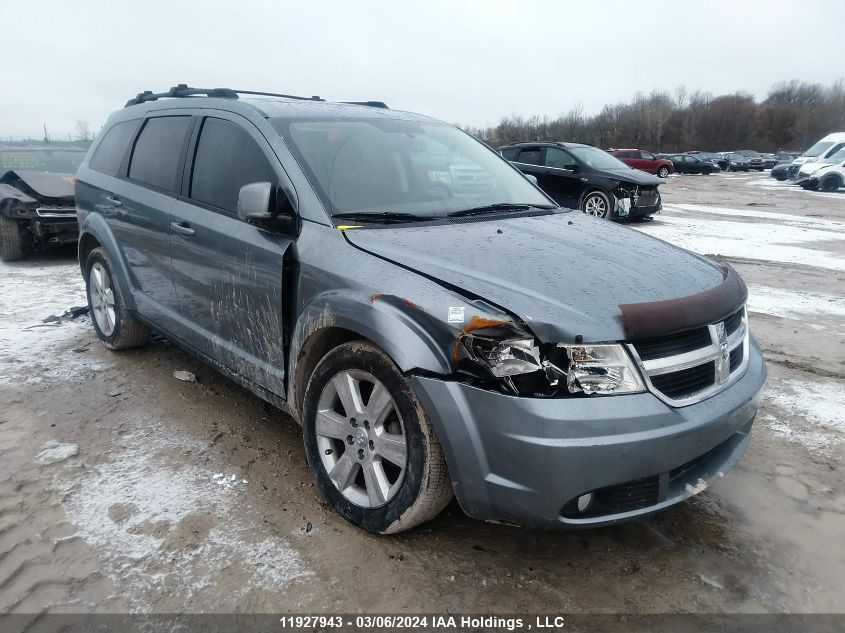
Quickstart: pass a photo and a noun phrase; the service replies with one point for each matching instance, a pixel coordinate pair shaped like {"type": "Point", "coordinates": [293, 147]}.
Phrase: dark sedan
{"type": "Point", "coordinates": [689, 164]}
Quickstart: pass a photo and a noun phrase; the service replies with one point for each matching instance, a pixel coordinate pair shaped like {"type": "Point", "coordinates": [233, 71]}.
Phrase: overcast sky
{"type": "Point", "coordinates": [468, 62]}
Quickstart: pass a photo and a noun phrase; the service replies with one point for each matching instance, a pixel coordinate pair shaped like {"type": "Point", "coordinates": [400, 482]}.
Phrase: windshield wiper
{"type": "Point", "coordinates": [383, 217]}
{"type": "Point", "coordinates": [493, 208]}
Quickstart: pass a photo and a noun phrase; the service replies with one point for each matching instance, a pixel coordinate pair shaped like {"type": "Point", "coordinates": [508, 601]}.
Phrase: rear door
{"type": "Point", "coordinates": [138, 210]}
{"type": "Point", "coordinates": [228, 274]}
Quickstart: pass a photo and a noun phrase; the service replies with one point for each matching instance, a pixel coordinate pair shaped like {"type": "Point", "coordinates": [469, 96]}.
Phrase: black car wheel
{"type": "Point", "coordinates": [372, 448]}
{"type": "Point", "coordinates": [663, 172]}
{"type": "Point", "coordinates": [11, 240]}
{"type": "Point", "coordinates": [831, 183]}
{"type": "Point", "coordinates": [596, 204]}
{"type": "Point", "coordinates": [113, 323]}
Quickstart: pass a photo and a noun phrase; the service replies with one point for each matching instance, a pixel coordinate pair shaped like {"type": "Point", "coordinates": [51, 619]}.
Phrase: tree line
{"type": "Point", "coordinates": [793, 116]}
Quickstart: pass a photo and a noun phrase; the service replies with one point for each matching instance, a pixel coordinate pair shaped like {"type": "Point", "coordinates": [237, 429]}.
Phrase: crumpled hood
{"type": "Point", "coordinates": [42, 184]}
{"type": "Point", "coordinates": [635, 176]}
{"type": "Point", "coordinates": [564, 274]}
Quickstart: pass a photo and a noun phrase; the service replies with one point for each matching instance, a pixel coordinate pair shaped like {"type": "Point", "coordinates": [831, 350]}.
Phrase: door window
{"type": "Point", "coordinates": [556, 157]}
{"type": "Point", "coordinates": [510, 153]}
{"type": "Point", "coordinates": [109, 153]}
{"type": "Point", "coordinates": [529, 156]}
{"type": "Point", "coordinates": [227, 158]}
{"type": "Point", "coordinates": [157, 157]}
{"type": "Point", "coordinates": [646, 155]}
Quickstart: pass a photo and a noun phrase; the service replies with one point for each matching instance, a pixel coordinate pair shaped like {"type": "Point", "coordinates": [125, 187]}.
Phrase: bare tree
{"type": "Point", "coordinates": [82, 130]}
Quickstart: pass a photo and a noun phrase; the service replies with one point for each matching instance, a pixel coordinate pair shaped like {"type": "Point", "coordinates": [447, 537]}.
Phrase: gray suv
{"type": "Point", "coordinates": [434, 321]}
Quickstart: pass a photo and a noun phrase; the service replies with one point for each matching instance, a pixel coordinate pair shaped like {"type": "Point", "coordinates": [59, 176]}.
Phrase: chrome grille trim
{"type": "Point", "coordinates": [718, 352]}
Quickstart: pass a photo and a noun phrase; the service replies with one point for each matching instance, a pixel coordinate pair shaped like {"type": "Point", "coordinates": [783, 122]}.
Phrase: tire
{"type": "Point", "coordinates": [707, 172]}
{"type": "Point", "coordinates": [11, 240]}
{"type": "Point", "coordinates": [115, 327]}
{"type": "Point", "coordinates": [372, 450]}
{"type": "Point", "coordinates": [663, 172]}
{"type": "Point", "coordinates": [597, 204]}
{"type": "Point", "coordinates": [831, 183]}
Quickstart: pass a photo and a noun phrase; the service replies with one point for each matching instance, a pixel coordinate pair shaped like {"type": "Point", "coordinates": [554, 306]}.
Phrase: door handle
{"type": "Point", "coordinates": [182, 228]}
{"type": "Point", "coordinates": [113, 201]}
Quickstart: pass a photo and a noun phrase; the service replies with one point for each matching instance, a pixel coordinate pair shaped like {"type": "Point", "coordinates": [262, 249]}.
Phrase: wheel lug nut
{"type": "Point", "coordinates": [349, 440]}
{"type": "Point", "coordinates": [360, 453]}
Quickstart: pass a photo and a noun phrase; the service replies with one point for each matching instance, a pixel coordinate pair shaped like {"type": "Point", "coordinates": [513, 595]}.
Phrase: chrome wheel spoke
{"type": "Point", "coordinates": [379, 405]}
{"type": "Point", "coordinates": [392, 448]}
{"type": "Point", "coordinates": [331, 424]}
{"type": "Point", "coordinates": [378, 488]}
{"type": "Point", "coordinates": [349, 392]}
{"type": "Point", "coordinates": [344, 471]}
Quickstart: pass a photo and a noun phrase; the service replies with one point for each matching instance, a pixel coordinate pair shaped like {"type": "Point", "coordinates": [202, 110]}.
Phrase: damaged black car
{"type": "Point", "coordinates": [37, 208]}
{"type": "Point", "coordinates": [581, 176]}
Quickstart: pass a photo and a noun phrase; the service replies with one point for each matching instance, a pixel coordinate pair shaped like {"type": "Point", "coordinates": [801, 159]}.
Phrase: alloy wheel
{"type": "Point", "coordinates": [596, 206]}
{"type": "Point", "coordinates": [361, 438]}
{"type": "Point", "coordinates": [102, 298]}
{"type": "Point", "coordinates": [663, 172]}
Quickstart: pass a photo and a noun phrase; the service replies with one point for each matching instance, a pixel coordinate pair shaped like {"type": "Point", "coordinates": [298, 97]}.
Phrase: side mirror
{"type": "Point", "coordinates": [532, 178]}
{"type": "Point", "coordinates": [254, 202]}
{"type": "Point", "coordinates": [266, 206]}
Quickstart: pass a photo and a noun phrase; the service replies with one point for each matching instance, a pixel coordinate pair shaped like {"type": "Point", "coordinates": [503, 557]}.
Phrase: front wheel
{"type": "Point", "coordinates": [113, 324]}
{"type": "Point", "coordinates": [11, 240]}
{"type": "Point", "coordinates": [597, 204]}
{"type": "Point", "coordinates": [663, 172]}
{"type": "Point", "coordinates": [372, 448]}
{"type": "Point", "coordinates": [831, 183]}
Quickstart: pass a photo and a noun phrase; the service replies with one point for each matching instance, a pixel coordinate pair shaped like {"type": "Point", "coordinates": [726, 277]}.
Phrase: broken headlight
{"type": "Point", "coordinates": [601, 369]}
{"type": "Point", "coordinates": [499, 353]}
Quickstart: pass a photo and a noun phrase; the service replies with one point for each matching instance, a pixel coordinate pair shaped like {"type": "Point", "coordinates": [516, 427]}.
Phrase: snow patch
{"type": "Point", "coordinates": [55, 452]}
{"type": "Point", "coordinates": [809, 413]}
{"type": "Point", "coordinates": [793, 304]}
{"type": "Point", "coordinates": [143, 549]}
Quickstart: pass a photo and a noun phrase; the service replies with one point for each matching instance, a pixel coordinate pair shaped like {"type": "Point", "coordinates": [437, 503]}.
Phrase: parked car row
{"type": "Point", "coordinates": [435, 322]}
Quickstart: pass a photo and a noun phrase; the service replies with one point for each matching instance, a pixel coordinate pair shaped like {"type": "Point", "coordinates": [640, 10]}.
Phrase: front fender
{"type": "Point", "coordinates": [95, 225]}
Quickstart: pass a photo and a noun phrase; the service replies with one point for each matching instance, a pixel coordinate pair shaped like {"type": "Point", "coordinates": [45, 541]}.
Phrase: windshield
{"type": "Point", "coordinates": [818, 148]}
{"type": "Point", "coordinates": [399, 166]}
{"type": "Point", "coordinates": [836, 157]}
{"type": "Point", "coordinates": [597, 158]}
{"type": "Point", "coordinates": [748, 153]}
{"type": "Point", "coordinates": [62, 161]}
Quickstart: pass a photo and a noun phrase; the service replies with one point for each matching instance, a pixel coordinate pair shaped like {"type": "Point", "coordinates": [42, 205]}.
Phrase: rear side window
{"type": "Point", "coordinates": [529, 156]}
{"type": "Point", "coordinates": [111, 150]}
{"type": "Point", "coordinates": [157, 157]}
{"type": "Point", "coordinates": [227, 158]}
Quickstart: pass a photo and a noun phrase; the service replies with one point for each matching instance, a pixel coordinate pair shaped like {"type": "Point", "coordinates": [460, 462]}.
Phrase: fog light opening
{"type": "Point", "coordinates": [584, 502]}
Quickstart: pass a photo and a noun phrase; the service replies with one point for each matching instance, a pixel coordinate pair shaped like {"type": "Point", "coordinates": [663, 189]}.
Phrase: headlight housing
{"type": "Point", "coordinates": [510, 359]}
{"type": "Point", "coordinates": [601, 369]}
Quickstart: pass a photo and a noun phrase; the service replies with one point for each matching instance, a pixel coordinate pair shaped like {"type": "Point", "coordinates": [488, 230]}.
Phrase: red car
{"type": "Point", "coordinates": [645, 161]}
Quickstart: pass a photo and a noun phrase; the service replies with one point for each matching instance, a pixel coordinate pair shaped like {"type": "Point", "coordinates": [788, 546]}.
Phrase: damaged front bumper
{"type": "Point", "coordinates": [580, 462]}
{"type": "Point", "coordinates": [634, 202]}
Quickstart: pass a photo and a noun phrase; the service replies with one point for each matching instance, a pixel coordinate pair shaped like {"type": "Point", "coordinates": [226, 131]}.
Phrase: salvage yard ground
{"type": "Point", "coordinates": [157, 495]}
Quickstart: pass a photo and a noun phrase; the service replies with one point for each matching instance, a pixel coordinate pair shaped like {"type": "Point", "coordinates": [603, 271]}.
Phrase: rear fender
{"type": "Point", "coordinates": [96, 226]}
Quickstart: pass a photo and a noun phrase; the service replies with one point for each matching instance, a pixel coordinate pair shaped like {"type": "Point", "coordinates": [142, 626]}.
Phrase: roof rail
{"type": "Point", "coordinates": [372, 104]}
{"type": "Point", "coordinates": [183, 90]}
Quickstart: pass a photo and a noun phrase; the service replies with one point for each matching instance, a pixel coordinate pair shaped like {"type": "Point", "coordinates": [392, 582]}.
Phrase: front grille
{"type": "Point", "coordinates": [684, 383]}
{"type": "Point", "coordinates": [631, 495]}
{"type": "Point", "coordinates": [687, 367]}
{"type": "Point", "coordinates": [673, 344]}
{"type": "Point", "coordinates": [736, 358]}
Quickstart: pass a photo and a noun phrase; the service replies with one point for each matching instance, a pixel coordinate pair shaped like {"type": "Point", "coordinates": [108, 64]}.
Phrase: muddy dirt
{"type": "Point", "coordinates": [168, 496]}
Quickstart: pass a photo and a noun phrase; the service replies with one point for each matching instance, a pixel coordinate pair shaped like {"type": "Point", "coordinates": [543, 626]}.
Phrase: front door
{"type": "Point", "coordinates": [229, 274]}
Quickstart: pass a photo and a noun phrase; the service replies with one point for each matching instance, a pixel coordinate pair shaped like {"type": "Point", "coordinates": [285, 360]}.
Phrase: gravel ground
{"type": "Point", "coordinates": [123, 489]}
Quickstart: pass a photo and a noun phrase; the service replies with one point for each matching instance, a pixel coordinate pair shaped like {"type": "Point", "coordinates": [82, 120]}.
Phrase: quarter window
{"type": "Point", "coordinates": [227, 158]}
{"type": "Point", "coordinates": [157, 157]}
{"type": "Point", "coordinates": [109, 153]}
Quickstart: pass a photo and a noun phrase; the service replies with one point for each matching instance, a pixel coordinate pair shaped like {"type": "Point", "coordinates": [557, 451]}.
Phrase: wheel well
{"type": "Point", "coordinates": [87, 243]}
{"type": "Point", "coordinates": [315, 347]}
{"type": "Point", "coordinates": [835, 177]}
